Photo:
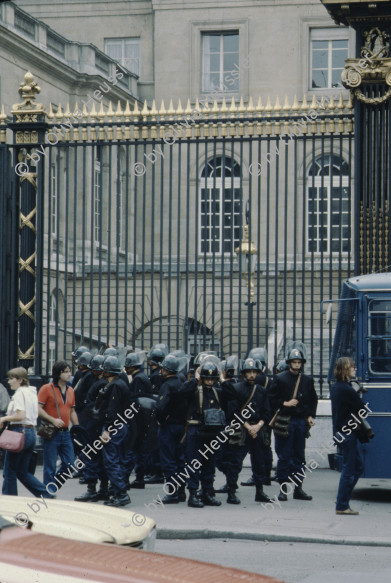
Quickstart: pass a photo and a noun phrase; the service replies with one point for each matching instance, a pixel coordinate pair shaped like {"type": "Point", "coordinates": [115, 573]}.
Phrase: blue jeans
{"type": "Point", "coordinates": [61, 445]}
{"type": "Point", "coordinates": [16, 467]}
{"type": "Point", "coordinates": [291, 450]}
{"type": "Point", "coordinates": [352, 468]}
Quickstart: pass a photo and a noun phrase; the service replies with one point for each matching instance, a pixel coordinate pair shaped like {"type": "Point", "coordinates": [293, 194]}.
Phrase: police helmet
{"type": "Point", "coordinates": [171, 363]}
{"type": "Point", "coordinates": [260, 354]}
{"type": "Point", "coordinates": [163, 347]}
{"type": "Point", "coordinates": [295, 354]}
{"type": "Point", "coordinates": [282, 366]}
{"type": "Point", "coordinates": [133, 360]}
{"type": "Point", "coordinates": [112, 365]}
{"type": "Point", "coordinates": [201, 356]}
{"type": "Point", "coordinates": [251, 364]}
{"type": "Point", "coordinates": [209, 370]}
{"type": "Point", "coordinates": [228, 366]}
{"type": "Point", "coordinates": [110, 352]}
{"type": "Point", "coordinates": [97, 362]}
{"type": "Point", "coordinates": [76, 353]}
{"type": "Point", "coordinates": [156, 356]}
{"type": "Point", "coordinates": [85, 359]}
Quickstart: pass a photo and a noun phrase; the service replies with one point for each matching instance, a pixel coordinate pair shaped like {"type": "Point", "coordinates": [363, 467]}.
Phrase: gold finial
{"type": "Point", "coordinates": [29, 108]}
{"type": "Point", "coordinates": [29, 88]}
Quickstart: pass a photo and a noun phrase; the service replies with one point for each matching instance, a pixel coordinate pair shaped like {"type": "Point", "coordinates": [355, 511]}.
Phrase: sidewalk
{"type": "Point", "coordinates": [293, 521]}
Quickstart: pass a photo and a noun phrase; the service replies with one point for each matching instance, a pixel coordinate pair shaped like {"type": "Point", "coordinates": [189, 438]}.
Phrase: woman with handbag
{"type": "Point", "coordinates": [21, 417]}
{"type": "Point", "coordinates": [344, 402]}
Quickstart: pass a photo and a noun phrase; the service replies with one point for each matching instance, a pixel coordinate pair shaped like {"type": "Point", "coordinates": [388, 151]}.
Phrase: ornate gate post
{"type": "Point", "coordinates": [368, 77]}
{"type": "Point", "coordinates": [29, 129]}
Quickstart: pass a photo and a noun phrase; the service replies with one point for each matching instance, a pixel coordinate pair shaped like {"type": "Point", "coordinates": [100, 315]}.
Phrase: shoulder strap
{"type": "Point", "coordinates": [249, 399]}
{"type": "Point", "coordinates": [216, 397]}
{"type": "Point", "coordinates": [296, 386]}
{"type": "Point", "coordinates": [200, 398]}
{"type": "Point", "coordinates": [55, 398]}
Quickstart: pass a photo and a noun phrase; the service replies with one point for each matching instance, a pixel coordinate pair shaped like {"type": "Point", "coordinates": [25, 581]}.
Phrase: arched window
{"type": "Point", "coordinates": [328, 206]}
{"type": "Point", "coordinates": [220, 206]}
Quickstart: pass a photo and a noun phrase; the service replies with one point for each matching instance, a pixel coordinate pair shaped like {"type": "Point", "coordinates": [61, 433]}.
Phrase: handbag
{"type": "Point", "coordinates": [364, 431]}
{"type": "Point", "coordinates": [47, 430]}
{"type": "Point", "coordinates": [279, 422]}
{"type": "Point", "coordinates": [12, 440]}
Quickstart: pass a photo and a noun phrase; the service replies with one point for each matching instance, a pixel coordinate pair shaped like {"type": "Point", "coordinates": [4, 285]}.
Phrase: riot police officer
{"type": "Point", "coordinates": [203, 394]}
{"type": "Point", "coordinates": [75, 357]}
{"type": "Point", "coordinates": [116, 400]}
{"type": "Point", "coordinates": [94, 418]}
{"type": "Point", "coordinates": [171, 415]}
{"type": "Point", "coordinates": [254, 399]}
{"type": "Point", "coordinates": [155, 358]}
{"type": "Point", "coordinates": [140, 385]}
{"type": "Point", "coordinates": [293, 393]}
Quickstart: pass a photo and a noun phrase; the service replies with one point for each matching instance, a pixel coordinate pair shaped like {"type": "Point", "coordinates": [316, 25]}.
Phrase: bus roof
{"type": "Point", "coordinates": [371, 282]}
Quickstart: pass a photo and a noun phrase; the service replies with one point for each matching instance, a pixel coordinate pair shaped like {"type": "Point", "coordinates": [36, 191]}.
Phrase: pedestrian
{"type": "Point", "coordinates": [56, 405]}
{"type": "Point", "coordinates": [22, 414]}
{"type": "Point", "coordinates": [293, 394]}
{"type": "Point", "coordinates": [344, 402]}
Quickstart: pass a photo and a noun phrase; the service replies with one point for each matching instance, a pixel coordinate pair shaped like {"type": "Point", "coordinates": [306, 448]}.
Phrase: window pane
{"type": "Point", "coordinates": [231, 43]}
{"type": "Point", "coordinates": [319, 79]}
{"type": "Point", "coordinates": [319, 59]}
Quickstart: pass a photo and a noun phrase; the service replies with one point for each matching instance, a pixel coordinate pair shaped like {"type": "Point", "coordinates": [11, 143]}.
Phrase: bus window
{"type": "Point", "coordinates": [379, 336]}
{"type": "Point", "coordinates": [345, 338]}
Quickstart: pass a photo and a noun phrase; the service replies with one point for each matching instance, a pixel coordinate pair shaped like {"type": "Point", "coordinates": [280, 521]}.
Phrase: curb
{"type": "Point", "coordinates": [166, 533]}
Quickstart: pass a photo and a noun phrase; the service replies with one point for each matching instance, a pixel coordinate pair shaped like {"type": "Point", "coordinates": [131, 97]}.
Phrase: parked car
{"type": "Point", "coordinates": [27, 556]}
{"type": "Point", "coordinates": [93, 523]}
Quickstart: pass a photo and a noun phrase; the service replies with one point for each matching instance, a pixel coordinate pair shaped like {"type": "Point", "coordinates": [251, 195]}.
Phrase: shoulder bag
{"type": "Point", "coordinates": [213, 418]}
{"type": "Point", "coordinates": [12, 440]}
{"type": "Point", "coordinates": [364, 431]}
{"type": "Point", "coordinates": [47, 430]}
{"type": "Point", "coordinates": [280, 423]}
{"type": "Point", "coordinates": [239, 437]}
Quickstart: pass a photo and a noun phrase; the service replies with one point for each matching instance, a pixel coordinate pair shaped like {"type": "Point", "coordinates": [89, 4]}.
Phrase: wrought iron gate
{"type": "Point", "coordinates": [136, 216]}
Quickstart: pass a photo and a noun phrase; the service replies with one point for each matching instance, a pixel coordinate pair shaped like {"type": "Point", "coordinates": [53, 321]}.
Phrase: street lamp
{"type": "Point", "coordinates": [247, 257]}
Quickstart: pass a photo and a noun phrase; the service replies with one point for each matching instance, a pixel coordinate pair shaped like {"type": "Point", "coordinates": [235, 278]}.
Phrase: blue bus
{"type": "Point", "coordinates": [363, 332]}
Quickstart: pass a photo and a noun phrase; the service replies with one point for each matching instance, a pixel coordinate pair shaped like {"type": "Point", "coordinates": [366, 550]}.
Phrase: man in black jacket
{"type": "Point", "coordinates": [252, 398]}
{"type": "Point", "coordinates": [116, 403]}
{"type": "Point", "coordinates": [171, 416]}
{"type": "Point", "coordinates": [302, 409]}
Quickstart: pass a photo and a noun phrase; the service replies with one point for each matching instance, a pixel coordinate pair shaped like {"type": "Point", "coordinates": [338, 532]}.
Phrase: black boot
{"type": "Point", "coordinates": [249, 482]}
{"type": "Point", "coordinates": [260, 496]}
{"type": "Point", "coordinates": [209, 499]}
{"type": "Point", "coordinates": [232, 498]}
{"type": "Point", "coordinates": [138, 484]}
{"type": "Point", "coordinates": [120, 499]}
{"type": "Point", "coordinates": [222, 490]}
{"type": "Point", "coordinates": [299, 494]}
{"type": "Point", "coordinates": [172, 497]}
{"type": "Point", "coordinates": [154, 479]}
{"type": "Point", "coordinates": [182, 494]}
{"type": "Point", "coordinates": [90, 496]}
{"type": "Point", "coordinates": [194, 501]}
{"type": "Point", "coordinates": [282, 497]}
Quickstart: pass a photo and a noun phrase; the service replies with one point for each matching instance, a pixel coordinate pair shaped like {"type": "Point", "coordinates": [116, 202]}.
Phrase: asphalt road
{"type": "Point", "coordinates": [290, 562]}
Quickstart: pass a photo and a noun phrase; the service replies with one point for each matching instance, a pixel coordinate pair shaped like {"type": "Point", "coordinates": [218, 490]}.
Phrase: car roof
{"type": "Point", "coordinates": [77, 520]}
{"type": "Point", "coordinates": [370, 282]}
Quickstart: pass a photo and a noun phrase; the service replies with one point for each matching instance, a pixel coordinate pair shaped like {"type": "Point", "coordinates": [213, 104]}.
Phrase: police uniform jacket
{"type": "Point", "coordinates": [282, 389]}
{"type": "Point", "coordinates": [156, 381]}
{"type": "Point", "coordinates": [171, 406]}
{"type": "Point", "coordinates": [117, 398]}
{"type": "Point", "coordinates": [259, 401]}
{"type": "Point", "coordinates": [140, 385]}
{"type": "Point", "coordinates": [262, 380]}
{"type": "Point", "coordinates": [81, 390]}
{"type": "Point", "coordinates": [191, 390]}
